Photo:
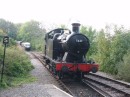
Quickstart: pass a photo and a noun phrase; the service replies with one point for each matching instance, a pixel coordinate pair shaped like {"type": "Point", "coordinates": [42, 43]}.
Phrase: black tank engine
{"type": "Point", "coordinates": [67, 49]}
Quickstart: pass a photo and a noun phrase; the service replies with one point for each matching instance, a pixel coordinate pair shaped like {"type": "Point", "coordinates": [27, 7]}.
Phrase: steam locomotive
{"type": "Point", "coordinates": [65, 52]}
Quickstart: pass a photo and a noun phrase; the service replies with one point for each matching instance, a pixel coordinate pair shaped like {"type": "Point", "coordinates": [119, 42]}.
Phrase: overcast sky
{"type": "Point", "coordinates": [96, 13]}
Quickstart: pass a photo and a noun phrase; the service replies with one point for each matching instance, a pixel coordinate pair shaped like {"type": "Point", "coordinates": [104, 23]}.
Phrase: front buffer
{"type": "Point", "coordinates": [78, 69]}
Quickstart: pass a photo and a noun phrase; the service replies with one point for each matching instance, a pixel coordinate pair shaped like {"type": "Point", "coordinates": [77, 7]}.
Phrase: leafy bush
{"type": "Point", "coordinates": [17, 66]}
{"type": "Point", "coordinates": [17, 62]}
{"type": "Point", "coordinates": [12, 42]}
{"type": "Point", "coordinates": [124, 68]}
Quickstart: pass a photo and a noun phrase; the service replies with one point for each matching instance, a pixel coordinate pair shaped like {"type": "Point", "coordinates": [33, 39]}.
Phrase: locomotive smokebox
{"type": "Point", "coordinates": [75, 27]}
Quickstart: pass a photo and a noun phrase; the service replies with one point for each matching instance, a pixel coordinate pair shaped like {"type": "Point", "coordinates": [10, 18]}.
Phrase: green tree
{"type": "Point", "coordinates": [103, 51]}
{"type": "Point", "coordinates": [91, 34]}
{"type": "Point", "coordinates": [111, 49]}
{"type": "Point", "coordinates": [124, 67]}
{"type": "Point", "coordinates": [32, 32]}
{"type": "Point", "coordinates": [18, 26]}
{"type": "Point", "coordinates": [120, 46]}
{"type": "Point", "coordinates": [9, 28]}
{"type": "Point", "coordinates": [2, 33]}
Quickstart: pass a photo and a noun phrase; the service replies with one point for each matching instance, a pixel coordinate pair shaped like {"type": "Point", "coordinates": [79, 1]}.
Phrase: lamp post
{"type": "Point", "coordinates": [5, 42]}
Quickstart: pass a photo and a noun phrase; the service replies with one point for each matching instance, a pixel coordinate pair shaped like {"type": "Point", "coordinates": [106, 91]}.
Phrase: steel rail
{"type": "Point", "coordinates": [62, 85]}
{"type": "Point", "coordinates": [97, 89]}
{"type": "Point", "coordinates": [108, 85]}
{"type": "Point", "coordinates": [110, 79]}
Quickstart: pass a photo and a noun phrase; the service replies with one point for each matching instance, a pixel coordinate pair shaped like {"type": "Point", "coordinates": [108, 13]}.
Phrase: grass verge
{"type": "Point", "coordinates": [16, 81]}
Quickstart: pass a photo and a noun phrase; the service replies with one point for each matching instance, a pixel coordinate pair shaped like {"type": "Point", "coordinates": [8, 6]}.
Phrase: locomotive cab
{"type": "Point", "coordinates": [53, 46]}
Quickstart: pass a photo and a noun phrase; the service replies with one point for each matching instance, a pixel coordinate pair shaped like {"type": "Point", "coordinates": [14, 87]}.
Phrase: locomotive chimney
{"type": "Point", "coordinates": [75, 27]}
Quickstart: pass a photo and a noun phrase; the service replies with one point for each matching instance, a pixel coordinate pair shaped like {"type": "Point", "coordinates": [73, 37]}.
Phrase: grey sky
{"type": "Point", "coordinates": [96, 13]}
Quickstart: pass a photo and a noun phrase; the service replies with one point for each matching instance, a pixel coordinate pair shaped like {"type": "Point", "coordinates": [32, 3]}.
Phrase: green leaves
{"type": "Point", "coordinates": [32, 32]}
{"type": "Point", "coordinates": [111, 49]}
{"type": "Point", "coordinates": [8, 28]}
{"type": "Point", "coordinates": [103, 51]}
{"type": "Point", "coordinates": [17, 62]}
{"type": "Point", "coordinates": [108, 50]}
{"type": "Point", "coordinates": [124, 67]}
{"type": "Point", "coordinates": [91, 34]}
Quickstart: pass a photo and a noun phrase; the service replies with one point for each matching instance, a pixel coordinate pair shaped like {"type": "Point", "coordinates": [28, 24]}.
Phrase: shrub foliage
{"type": "Point", "coordinates": [17, 63]}
{"type": "Point", "coordinates": [124, 67]}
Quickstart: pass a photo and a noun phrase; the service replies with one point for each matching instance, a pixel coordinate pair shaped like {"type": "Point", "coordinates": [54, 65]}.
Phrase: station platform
{"type": "Point", "coordinates": [35, 90]}
{"type": "Point", "coordinates": [54, 91]}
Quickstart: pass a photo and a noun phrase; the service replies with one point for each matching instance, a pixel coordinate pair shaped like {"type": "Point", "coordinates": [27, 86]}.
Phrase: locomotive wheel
{"type": "Point", "coordinates": [82, 75]}
{"type": "Point", "coordinates": [79, 76]}
{"type": "Point", "coordinates": [50, 68]}
{"type": "Point", "coordinates": [54, 70]}
{"type": "Point", "coordinates": [59, 75]}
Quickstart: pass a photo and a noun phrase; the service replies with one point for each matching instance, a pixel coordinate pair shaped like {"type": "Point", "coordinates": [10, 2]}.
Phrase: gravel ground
{"type": "Point", "coordinates": [105, 74]}
{"type": "Point", "coordinates": [35, 89]}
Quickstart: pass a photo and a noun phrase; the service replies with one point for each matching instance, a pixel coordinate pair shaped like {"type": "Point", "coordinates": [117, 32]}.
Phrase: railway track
{"type": "Point", "coordinates": [71, 86]}
{"type": "Point", "coordinates": [107, 86]}
{"type": "Point", "coordinates": [61, 84]}
{"type": "Point", "coordinates": [78, 89]}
